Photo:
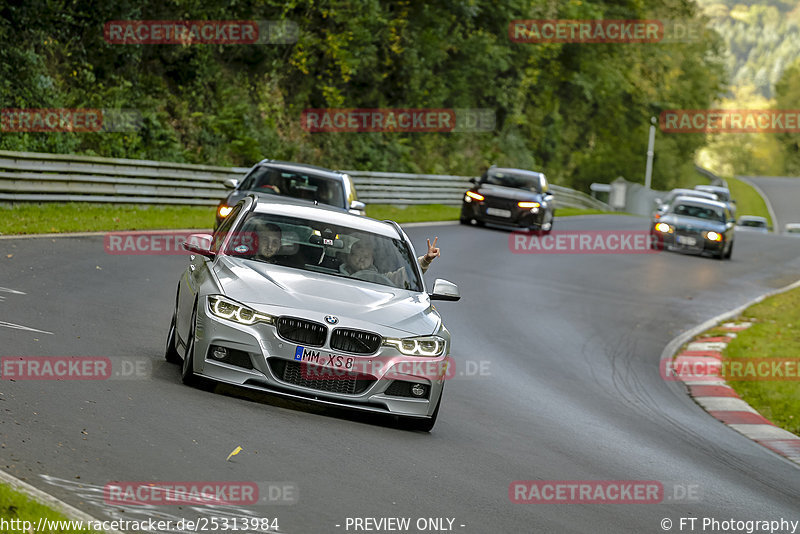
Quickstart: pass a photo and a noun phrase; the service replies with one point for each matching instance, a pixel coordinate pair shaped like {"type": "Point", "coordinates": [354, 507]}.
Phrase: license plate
{"type": "Point", "coordinates": [686, 240]}
{"type": "Point", "coordinates": [496, 212]}
{"type": "Point", "coordinates": [324, 359]}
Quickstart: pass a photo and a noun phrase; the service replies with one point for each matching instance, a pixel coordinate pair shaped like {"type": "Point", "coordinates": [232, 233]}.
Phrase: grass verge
{"type": "Point", "coordinates": [748, 201]}
{"type": "Point", "coordinates": [85, 217]}
{"type": "Point", "coordinates": [404, 213]}
{"type": "Point", "coordinates": [16, 508]}
{"type": "Point", "coordinates": [775, 334]}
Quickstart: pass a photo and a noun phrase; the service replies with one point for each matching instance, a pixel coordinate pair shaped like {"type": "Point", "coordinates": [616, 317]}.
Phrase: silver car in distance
{"type": "Point", "coordinates": [312, 303]}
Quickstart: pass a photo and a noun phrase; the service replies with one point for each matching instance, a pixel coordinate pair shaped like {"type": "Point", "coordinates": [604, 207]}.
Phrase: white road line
{"type": "Point", "coordinates": [48, 500]}
{"type": "Point", "coordinates": [14, 291]}
{"type": "Point", "coordinates": [21, 327]}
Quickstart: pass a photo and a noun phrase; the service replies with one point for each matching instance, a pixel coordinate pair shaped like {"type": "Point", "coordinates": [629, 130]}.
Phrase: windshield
{"type": "Point", "coordinates": [296, 185]}
{"type": "Point", "coordinates": [755, 224]}
{"type": "Point", "coordinates": [324, 248]}
{"type": "Point", "coordinates": [700, 212]}
{"type": "Point", "coordinates": [517, 181]}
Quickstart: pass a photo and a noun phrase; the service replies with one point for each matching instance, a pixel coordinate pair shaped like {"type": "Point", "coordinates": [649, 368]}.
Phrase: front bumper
{"type": "Point", "coordinates": [679, 241]}
{"type": "Point", "coordinates": [520, 217]}
{"type": "Point", "coordinates": [260, 359]}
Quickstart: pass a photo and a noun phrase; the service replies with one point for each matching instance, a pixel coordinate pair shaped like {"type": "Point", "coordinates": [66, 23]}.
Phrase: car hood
{"type": "Point", "coordinates": [281, 290]}
{"type": "Point", "coordinates": [498, 191]}
{"type": "Point", "coordinates": [692, 223]}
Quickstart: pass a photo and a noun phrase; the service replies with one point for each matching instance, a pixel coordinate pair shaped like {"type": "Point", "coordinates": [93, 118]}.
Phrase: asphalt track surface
{"type": "Point", "coordinates": [782, 193]}
{"type": "Point", "coordinates": [570, 390]}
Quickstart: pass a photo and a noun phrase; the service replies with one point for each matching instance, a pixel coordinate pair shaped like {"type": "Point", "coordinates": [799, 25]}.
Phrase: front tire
{"type": "Point", "coordinates": [187, 371]}
{"type": "Point", "coordinates": [730, 251]}
{"type": "Point", "coordinates": [171, 353]}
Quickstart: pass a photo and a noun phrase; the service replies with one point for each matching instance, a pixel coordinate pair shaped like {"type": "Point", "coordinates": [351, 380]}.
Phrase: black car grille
{"type": "Point", "coordinates": [501, 203]}
{"type": "Point", "coordinates": [320, 378]}
{"type": "Point", "coordinates": [301, 331]}
{"type": "Point", "coordinates": [355, 341]}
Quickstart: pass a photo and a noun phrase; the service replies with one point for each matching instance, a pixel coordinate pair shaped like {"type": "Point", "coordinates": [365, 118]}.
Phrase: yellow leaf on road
{"type": "Point", "coordinates": [236, 451]}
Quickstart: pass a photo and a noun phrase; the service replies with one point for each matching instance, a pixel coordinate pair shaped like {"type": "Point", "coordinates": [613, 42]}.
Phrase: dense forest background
{"type": "Point", "coordinates": [579, 112]}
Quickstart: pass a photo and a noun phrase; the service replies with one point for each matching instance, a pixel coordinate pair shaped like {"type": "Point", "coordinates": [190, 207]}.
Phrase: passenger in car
{"type": "Point", "coordinates": [361, 258]}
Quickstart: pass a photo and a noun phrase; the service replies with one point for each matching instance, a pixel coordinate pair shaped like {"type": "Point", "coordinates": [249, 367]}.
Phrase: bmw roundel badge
{"type": "Point", "coordinates": [330, 319]}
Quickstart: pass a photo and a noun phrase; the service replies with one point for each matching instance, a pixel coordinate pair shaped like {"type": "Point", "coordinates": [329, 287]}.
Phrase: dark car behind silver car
{"type": "Point", "coordinates": [510, 197]}
{"type": "Point", "coordinates": [313, 184]}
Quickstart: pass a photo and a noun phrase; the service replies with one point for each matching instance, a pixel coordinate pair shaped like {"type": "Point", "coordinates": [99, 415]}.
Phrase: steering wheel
{"type": "Point", "coordinates": [369, 275]}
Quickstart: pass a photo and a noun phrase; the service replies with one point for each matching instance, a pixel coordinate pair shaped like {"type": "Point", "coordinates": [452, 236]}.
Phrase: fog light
{"type": "Point", "coordinates": [418, 390]}
{"type": "Point", "coordinates": [219, 353]}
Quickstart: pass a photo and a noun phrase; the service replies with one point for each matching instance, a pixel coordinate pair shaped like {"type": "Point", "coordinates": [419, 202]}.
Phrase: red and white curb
{"type": "Point", "coordinates": [722, 402]}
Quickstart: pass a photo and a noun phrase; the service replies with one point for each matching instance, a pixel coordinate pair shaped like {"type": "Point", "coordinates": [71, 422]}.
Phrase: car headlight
{"type": "Point", "coordinates": [664, 228]}
{"type": "Point", "coordinates": [233, 311]}
{"type": "Point", "coordinates": [525, 204]}
{"type": "Point", "coordinates": [224, 211]}
{"type": "Point", "coordinates": [713, 236]}
{"type": "Point", "coordinates": [418, 346]}
{"type": "Point", "coordinates": [469, 195]}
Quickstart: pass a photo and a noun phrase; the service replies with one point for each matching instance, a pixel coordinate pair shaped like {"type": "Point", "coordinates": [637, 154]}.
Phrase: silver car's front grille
{"type": "Point", "coordinates": [301, 331]}
{"type": "Point", "coordinates": [355, 341]}
{"type": "Point", "coordinates": [320, 378]}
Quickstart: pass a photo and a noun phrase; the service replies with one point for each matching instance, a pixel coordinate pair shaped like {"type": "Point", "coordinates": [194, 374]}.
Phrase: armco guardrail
{"type": "Point", "coordinates": [35, 177]}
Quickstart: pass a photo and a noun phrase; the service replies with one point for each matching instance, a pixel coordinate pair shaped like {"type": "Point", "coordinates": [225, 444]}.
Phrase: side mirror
{"type": "Point", "coordinates": [230, 183]}
{"type": "Point", "coordinates": [475, 181]}
{"type": "Point", "coordinates": [199, 244]}
{"type": "Point", "coordinates": [357, 207]}
{"type": "Point", "coordinates": [445, 290]}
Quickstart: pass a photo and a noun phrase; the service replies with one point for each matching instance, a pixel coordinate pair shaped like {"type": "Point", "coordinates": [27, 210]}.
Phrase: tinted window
{"type": "Point", "coordinates": [700, 212]}
{"type": "Point", "coordinates": [329, 249]}
{"type": "Point", "coordinates": [517, 181]}
{"type": "Point", "coordinates": [296, 185]}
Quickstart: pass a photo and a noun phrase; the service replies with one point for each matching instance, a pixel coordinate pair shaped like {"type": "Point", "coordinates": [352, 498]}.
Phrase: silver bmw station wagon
{"type": "Point", "coordinates": [312, 303]}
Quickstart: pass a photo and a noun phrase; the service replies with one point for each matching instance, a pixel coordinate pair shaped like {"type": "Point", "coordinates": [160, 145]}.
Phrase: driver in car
{"type": "Point", "coordinates": [361, 254]}
{"type": "Point", "coordinates": [269, 242]}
